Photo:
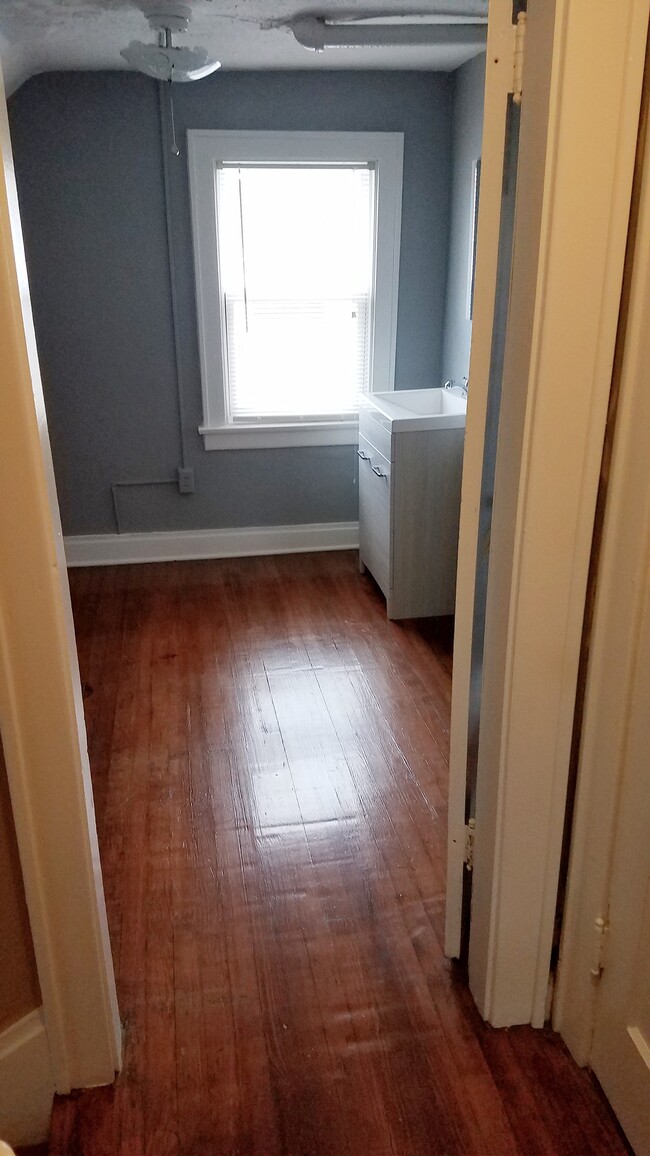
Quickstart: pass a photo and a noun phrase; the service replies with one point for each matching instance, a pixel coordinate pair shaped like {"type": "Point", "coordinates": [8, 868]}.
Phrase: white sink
{"type": "Point", "coordinates": [417, 409]}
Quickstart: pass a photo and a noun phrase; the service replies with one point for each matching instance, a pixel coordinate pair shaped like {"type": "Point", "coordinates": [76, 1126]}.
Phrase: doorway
{"type": "Point", "coordinates": [304, 1092]}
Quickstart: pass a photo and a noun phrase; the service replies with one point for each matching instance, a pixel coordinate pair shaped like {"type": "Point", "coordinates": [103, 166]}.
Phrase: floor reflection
{"type": "Point", "coordinates": [269, 758]}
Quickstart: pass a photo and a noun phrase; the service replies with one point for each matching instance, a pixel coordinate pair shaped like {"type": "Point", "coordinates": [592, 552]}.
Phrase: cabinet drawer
{"type": "Point", "coordinates": [374, 512]}
{"type": "Point", "coordinates": [371, 426]}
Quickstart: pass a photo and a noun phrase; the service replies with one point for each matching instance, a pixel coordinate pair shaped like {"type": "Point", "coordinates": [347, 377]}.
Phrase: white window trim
{"type": "Point", "coordinates": [206, 147]}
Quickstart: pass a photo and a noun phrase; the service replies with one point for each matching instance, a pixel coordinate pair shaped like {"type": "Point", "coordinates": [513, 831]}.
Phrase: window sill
{"type": "Point", "coordinates": [258, 437]}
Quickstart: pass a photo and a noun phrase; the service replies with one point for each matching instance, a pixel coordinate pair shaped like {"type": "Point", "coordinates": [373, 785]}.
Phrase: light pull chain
{"type": "Point", "coordinates": [175, 149]}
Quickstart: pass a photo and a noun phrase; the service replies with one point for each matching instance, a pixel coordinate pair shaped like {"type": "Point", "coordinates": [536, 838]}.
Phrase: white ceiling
{"type": "Point", "coordinates": [43, 35]}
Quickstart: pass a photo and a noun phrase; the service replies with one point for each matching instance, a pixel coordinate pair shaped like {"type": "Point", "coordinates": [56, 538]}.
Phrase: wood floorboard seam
{"type": "Point", "coordinates": [269, 758]}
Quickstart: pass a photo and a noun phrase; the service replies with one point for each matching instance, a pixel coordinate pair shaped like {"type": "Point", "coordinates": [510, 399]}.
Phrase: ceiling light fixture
{"type": "Point", "coordinates": [164, 60]}
{"type": "Point", "coordinates": [317, 33]}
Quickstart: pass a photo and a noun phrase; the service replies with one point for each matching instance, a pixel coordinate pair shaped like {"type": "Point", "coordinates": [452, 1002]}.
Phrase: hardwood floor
{"type": "Point", "coordinates": [269, 757]}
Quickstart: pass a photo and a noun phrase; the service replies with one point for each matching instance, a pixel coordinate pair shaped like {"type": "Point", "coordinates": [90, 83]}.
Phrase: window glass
{"type": "Point", "coordinates": [296, 252]}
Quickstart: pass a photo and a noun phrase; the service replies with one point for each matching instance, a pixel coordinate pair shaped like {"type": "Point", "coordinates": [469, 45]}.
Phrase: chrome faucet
{"type": "Point", "coordinates": [464, 388]}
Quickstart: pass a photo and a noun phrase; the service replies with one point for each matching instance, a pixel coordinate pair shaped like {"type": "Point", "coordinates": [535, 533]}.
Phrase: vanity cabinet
{"type": "Point", "coordinates": [409, 511]}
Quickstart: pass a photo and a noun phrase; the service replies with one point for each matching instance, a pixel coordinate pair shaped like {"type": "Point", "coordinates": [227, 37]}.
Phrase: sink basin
{"type": "Point", "coordinates": [418, 409]}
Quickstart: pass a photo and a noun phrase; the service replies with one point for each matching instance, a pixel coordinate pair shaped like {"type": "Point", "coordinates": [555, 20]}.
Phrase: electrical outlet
{"type": "Point", "coordinates": [185, 480]}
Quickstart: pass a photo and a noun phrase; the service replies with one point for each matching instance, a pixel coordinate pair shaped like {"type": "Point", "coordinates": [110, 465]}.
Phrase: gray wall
{"type": "Point", "coordinates": [467, 133]}
{"type": "Point", "coordinates": [89, 170]}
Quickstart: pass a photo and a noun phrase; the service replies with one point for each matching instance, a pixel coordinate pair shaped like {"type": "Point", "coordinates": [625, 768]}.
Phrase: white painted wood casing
{"type": "Point", "coordinates": [235, 542]}
{"type": "Point", "coordinates": [206, 149]}
{"type": "Point", "coordinates": [605, 1019]}
{"type": "Point", "coordinates": [569, 248]}
{"type": "Point", "coordinates": [498, 82]}
{"type": "Point", "coordinates": [41, 710]}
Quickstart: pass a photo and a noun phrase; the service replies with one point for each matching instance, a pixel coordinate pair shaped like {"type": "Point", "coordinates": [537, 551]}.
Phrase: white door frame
{"type": "Point", "coordinates": [614, 656]}
{"type": "Point", "coordinates": [560, 362]}
{"type": "Point", "coordinates": [498, 84]}
{"type": "Point", "coordinates": [595, 84]}
{"type": "Point", "coordinates": [41, 711]}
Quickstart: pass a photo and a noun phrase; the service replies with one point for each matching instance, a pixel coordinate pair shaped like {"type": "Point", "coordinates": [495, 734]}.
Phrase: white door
{"type": "Point", "coordinates": [620, 1053]}
{"type": "Point", "coordinates": [602, 1004]}
{"type": "Point", "coordinates": [582, 78]}
{"type": "Point", "coordinates": [621, 1049]}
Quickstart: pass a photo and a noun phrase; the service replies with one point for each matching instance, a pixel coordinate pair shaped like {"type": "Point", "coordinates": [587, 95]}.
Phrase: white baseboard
{"type": "Point", "coordinates": [26, 1082]}
{"type": "Point", "coordinates": [116, 549]}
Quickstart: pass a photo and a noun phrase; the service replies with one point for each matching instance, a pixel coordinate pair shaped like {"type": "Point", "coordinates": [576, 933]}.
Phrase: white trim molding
{"type": "Point", "coordinates": [266, 437]}
{"type": "Point", "coordinates": [26, 1081]}
{"type": "Point", "coordinates": [556, 386]}
{"type": "Point", "coordinates": [498, 83]}
{"type": "Point", "coordinates": [583, 71]}
{"type": "Point", "coordinates": [240, 542]}
{"type": "Point", "coordinates": [614, 659]}
{"type": "Point", "coordinates": [46, 749]}
{"type": "Point", "coordinates": [207, 148]}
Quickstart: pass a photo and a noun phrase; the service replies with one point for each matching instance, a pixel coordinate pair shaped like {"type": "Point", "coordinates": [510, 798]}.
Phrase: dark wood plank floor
{"type": "Point", "coordinates": [269, 758]}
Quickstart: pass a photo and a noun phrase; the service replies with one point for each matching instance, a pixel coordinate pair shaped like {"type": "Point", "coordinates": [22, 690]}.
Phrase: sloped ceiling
{"type": "Point", "coordinates": [44, 35]}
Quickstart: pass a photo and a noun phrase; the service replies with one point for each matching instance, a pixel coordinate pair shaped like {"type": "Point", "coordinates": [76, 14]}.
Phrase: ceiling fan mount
{"type": "Point", "coordinates": [165, 60]}
{"type": "Point", "coordinates": [171, 17]}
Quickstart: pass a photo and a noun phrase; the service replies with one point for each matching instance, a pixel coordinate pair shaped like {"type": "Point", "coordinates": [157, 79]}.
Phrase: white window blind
{"type": "Point", "coordinates": [296, 254]}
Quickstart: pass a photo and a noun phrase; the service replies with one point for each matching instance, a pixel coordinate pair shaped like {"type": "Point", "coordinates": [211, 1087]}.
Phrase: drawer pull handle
{"type": "Point", "coordinates": [364, 457]}
{"type": "Point", "coordinates": [378, 472]}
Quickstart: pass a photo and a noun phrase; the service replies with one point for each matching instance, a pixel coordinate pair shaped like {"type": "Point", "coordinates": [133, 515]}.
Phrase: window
{"type": "Point", "coordinates": [297, 298]}
{"type": "Point", "coordinates": [296, 240]}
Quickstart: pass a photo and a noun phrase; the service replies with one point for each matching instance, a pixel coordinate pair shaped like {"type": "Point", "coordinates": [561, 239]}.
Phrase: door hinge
{"type": "Point", "coordinates": [600, 937]}
{"type": "Point", "coordinates": [518, 58]}
{"type": "Point", "coordinates": [470, 831]}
